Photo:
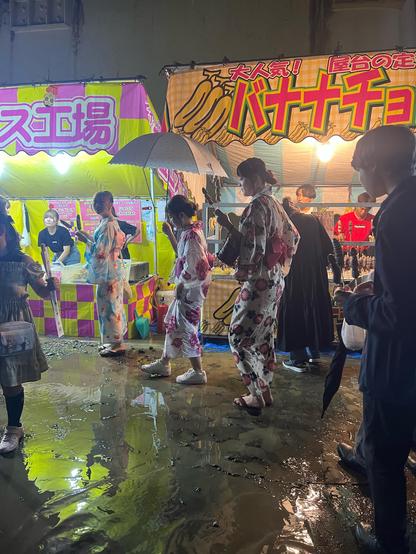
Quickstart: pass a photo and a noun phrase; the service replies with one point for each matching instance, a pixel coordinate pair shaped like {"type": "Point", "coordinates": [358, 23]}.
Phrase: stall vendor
{"type": "Point", "coordinates": [356, 226]}
{"type": "Point", "coordinates": [131, 233]}
{"type": "Point", "coordinates": [305, 194]}
{"type": "Point", "coordinates": [58, 240]}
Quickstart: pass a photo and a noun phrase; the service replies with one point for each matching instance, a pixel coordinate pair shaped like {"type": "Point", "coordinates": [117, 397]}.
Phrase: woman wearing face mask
{"type": "Point", "coordinates": [17, 271]}
{"type": "Point", "coordinates": [192, 278]}
{"type": "Point", "coordinates": [105, 268]}
{"type": "Point", "coordinates": [58, 240]}
{"type": "Point", "coordinates": [268, 240]}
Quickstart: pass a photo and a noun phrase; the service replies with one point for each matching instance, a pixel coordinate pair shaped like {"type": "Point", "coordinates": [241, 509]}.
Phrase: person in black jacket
{"type": "Point", "coordinates": [384, 158]}
{"type": "Point", "coordinates": [305, 317]}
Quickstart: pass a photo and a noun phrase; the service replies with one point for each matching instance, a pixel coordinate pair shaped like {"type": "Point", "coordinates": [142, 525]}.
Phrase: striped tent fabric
{"type": "Point", "coordinates": [297, 164]}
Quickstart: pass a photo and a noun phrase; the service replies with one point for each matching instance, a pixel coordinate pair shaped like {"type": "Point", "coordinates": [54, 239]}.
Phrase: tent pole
{"type": "Point", "coordinates": [152, 194]}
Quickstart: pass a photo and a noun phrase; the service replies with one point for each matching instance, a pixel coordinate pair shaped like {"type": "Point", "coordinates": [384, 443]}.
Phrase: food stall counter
{"type": "Point", "coordinates": [79, 310]}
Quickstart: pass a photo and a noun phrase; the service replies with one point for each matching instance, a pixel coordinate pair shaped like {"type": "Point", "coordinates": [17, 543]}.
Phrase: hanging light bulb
{"type": "Point", "coordinates": [325, 152]}
{"type": "Point", "coordinates": [62, 162]}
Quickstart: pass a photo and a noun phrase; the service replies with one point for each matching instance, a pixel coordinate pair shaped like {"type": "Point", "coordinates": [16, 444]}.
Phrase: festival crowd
{"type": "Point", "coordinates": [280, 252]}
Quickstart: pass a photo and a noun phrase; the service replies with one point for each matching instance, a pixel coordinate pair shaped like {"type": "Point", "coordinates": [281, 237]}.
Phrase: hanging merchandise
{"type": "Point", "coordinates": [147, 217]}
{"type": "Point", "coordinates": [161, 210]}
{"type": "Point", "coordinates": [25, 241]}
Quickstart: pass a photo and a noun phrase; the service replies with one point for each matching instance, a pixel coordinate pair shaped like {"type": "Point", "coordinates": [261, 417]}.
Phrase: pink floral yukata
{"type": "Point", "coordinates": [265, 227]}
{"type": "Point", "coordinates": [193, 270]}
{"type": "Point", "coordinates": [106, 269]}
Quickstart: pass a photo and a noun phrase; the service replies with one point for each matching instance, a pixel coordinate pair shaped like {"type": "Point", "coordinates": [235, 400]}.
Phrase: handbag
{"type": "Point", "coordinates": [16, 337]}
{"type": "Point", "coordinates": [352, 336]}
{"type": "Point", "coordinates": [230, 249]}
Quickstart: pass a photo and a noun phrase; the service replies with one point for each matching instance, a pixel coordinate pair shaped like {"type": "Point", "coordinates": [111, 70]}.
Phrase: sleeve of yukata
{"type": "Point", "coordinates": [195, 267]}
{"type": "Point", "coordinates": [34, 271]}
{"type": "Point", "coordinates": [290, 238]}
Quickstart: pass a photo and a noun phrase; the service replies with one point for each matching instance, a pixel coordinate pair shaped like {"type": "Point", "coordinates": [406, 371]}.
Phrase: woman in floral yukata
{"type": "Point", "coordinates": [192, 276]}
{"type": "Point", "coordinates": [105, 268]}
{"type": "Point", "coordinates": [268, 242]}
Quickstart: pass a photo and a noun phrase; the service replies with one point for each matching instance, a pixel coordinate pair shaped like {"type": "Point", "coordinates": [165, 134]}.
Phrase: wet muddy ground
{"type": "Point", "coordinates": [116, 462]}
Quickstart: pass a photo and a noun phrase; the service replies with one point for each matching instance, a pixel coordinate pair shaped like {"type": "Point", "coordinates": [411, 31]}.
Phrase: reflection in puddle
{"type": "Point", "coordinates": [295, 537]}
{"type": "Point", "coordinates": [102, 461]}
{"type": "Point", "coordinates": [111, 464]}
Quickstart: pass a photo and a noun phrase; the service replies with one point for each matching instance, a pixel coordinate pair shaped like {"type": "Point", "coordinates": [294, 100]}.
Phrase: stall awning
{"type": "Point", "coordinates": [271, 106]}
{"type": "Point", "coordinates": [56, 140]}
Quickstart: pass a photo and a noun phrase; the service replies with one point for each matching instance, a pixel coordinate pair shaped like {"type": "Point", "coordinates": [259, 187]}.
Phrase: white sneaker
{"type": "Point", "coordinates": [298, 367]}
{"type": "Point", "coordinates": [11, 439]}
{"type": "Point", "coordinates": [157, 368]}
{"type": "Point", "coordinates": [192, 377]}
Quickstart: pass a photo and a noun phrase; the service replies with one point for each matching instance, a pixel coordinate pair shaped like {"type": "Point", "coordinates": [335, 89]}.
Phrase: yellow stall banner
{"type": "Point", "coordinates": [343, 95]}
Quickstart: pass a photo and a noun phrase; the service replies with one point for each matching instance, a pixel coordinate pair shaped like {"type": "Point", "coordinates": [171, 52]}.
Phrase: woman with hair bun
{"type": "Point", "coordinates": [268, 241]}
{"type": "Point", "coordinates": [106, 269]}
{"type": "Point", "coordinates": [192, 276]}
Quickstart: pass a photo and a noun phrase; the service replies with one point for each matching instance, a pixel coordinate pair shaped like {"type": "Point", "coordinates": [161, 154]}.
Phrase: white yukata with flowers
{"type": "Point", "coordinates": [193, 271]}
{"type": "Point", "coordinates": [268, 242]}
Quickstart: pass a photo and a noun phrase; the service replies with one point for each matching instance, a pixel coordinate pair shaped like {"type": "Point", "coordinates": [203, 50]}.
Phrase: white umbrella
{"type": "Point", "coordinates": [169, 151]}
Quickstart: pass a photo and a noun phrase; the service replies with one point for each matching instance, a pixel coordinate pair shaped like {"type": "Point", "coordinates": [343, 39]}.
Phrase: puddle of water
{"type": "Point", "coordinates": [114, 462]}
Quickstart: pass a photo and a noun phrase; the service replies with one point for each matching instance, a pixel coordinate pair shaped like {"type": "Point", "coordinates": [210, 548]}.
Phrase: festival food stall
{"type": "Point", "coordinates": [55, 145]}
{"type": "Point", "coordinates": [302, 116]}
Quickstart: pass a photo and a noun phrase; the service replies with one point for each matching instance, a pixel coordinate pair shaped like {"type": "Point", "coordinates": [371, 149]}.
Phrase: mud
{"type": "Point", "coordinates": [115, 462]}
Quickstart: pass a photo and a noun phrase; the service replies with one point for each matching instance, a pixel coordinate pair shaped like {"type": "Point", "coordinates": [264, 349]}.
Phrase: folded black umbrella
{"type": "Point", "coordinates": [334, 376]}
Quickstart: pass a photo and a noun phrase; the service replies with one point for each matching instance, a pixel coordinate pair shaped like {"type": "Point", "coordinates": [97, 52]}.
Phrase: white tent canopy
{"type": "Point", "coordinates": [325, 166]}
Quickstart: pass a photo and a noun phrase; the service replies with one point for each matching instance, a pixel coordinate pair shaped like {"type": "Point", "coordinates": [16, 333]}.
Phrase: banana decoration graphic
{"type": "Point", "coordinates": [299, 132]}
{"type": "Point", "coordinates": [269, 138]}
{"type": "Point", "coordinates": [225, 138]}
{"type": "Point", "coordinates": [206, 112]}
{"type": "Point", "coordinates": [219, 116]}
{"type": "Point", "coordinates": [249, 136]}
{"type": "Point", "coordinates": [224, 312]}
{"type": "Point", "coordinates": [347, 134]}
{"type": "Point", "coordinates": [378, 122]}
{"type": "Point", "coordinates": [197, 99]}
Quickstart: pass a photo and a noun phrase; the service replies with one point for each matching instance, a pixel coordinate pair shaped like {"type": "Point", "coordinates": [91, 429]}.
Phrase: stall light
{"type": "Point", "coordinates": [62, 162]}
{"type": "Point", "coordinates": [2, 162]}
{"type": "Point", "coordinates": [325, 152]}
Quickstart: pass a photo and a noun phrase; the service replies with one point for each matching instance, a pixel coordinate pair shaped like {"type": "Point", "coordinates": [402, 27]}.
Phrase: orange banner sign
{"type": "Point", "coordinates": [342, 95]}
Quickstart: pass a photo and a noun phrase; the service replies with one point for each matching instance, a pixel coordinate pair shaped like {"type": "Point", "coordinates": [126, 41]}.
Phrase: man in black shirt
{"type": "Point", "coordinates": [384, 158]}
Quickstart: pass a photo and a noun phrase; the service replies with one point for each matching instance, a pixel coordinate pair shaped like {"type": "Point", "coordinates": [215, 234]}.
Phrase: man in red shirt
{"type": "Point", "coordinates": [356, 226]}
